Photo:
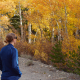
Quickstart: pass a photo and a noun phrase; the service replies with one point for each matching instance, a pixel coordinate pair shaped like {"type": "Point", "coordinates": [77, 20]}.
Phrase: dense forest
{"type": "Point", "coordinates": [48, 30]}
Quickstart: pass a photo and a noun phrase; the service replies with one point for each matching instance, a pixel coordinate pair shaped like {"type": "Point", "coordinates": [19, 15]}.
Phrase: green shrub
{"type": "Point", "coordinates": [74, 61]}
{"type": "Point", "coordinates": [57, 56]}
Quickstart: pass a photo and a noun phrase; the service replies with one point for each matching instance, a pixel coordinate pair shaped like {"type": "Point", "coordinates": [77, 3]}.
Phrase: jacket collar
{"type": "Point", "coordinates": [10, 44]}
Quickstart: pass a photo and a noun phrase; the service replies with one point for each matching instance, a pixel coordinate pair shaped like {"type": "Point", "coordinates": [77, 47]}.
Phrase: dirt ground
{"type": "Point", "coordinates": [40, 71]}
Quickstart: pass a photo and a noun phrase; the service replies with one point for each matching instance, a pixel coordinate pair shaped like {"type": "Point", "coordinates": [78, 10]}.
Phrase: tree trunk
{"type": "Point", "coordinates": [76, 33]}
{"type": "Point", "coordinates": [41, 32]}
{"type": "Point", "coordinates": [59, 32]}
{"type": "Point", "coordinates": [25, 32]}
{"type": "Point", "coordinates": [66, 21]}
{"type": "Point", "coordinates": [29, 35]}
{"type": "Point", "coordinates": [21, 22]}
{"type": "Point", "coordinates": [35, 38]}
{"type": "Point", "coordinates": [52, 35]}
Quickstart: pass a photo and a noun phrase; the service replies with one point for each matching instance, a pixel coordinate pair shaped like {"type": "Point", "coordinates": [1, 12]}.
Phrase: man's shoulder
{"type": "Point", "coordinates": [4, 47]}
{"type": "Point", "coordinates": [14, 49]}
{"type": "Point", "coordinates": [8, 47]}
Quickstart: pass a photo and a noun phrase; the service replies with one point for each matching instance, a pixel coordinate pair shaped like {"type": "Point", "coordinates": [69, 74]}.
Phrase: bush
{"type": "Point", "coordinates": [25, 48]}
{"type": "Point", "coordinates": [29, 63]}
{"type": "Point", "coordinates": [42, 51]}
{"type": "Point", "coordinates": [39, 50]}
{"type": "Point", "coordinates": [1, 44]}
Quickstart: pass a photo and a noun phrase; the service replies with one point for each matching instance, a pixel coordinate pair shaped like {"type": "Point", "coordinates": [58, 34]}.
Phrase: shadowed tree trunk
{"type": "Point", "coordinates": [52, 35]}
{"type": "Point", "coordinates": [76, 33]}
{"type": "Point", "coordinates": [41, 31]}
{"type": "Point", "coordinates": [35, 36]}
{"type": "Point", "coordinates": [25, 32]}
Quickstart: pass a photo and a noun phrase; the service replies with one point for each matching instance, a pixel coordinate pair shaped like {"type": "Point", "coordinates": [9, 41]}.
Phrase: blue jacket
{"type": "Point", "coordinates": [9, 63]}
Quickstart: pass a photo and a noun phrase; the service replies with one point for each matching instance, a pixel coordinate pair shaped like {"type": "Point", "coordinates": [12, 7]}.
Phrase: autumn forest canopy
{"type": "Point", "coordinates": [43, 24]}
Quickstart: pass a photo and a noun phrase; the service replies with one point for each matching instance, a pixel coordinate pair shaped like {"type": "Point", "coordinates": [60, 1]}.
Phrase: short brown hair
{"type": "Point", "coordinates": [10, 37]}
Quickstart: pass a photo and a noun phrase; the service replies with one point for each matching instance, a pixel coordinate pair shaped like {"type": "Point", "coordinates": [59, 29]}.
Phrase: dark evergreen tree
{"type": "Point", "coordinates": [57, 56]}
{"type": "Point", "coordinates": [15, 22]}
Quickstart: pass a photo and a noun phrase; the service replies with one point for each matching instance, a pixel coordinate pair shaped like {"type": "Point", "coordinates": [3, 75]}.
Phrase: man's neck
{"type": "Point", "coordinates": [12, 43]}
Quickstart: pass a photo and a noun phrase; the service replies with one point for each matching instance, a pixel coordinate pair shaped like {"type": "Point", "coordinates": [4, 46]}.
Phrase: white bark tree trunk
{"type": "Point", "coordinates": [29, 35]}
{"type": "Point", "coordinates": [59, 33]}
{"type": "Point", "coordinates": [76, 33]}
{"type": "Point", "coordinates": [21, 21]}
{"type": "Point", "coordinates": [66, 21]}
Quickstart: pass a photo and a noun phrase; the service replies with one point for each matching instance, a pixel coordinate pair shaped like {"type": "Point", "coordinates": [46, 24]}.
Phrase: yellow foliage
{"type": "Point", "coordinates": [4, 21]}
{"type": "Point", "coordinates": [43, 56]}
{"type": "Point", "coordinates": [33, 36]}
{"type": "Point", "coordinates": [7, 6]}
{"type": "Point", "coordinates": [35, 26]}
{"type": "Point", "coordinates": [70, 44]}
{"type": "Point", "coordinates": [37, 54]}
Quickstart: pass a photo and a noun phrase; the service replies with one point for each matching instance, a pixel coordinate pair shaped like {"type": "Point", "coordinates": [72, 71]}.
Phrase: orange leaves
{"type": "Point", "coordinates": [7, 6]}
{"type": "Point", "coordinates": [41, 5]}
{"type": "Point", "coordinates": [43, 56]}
{"type": "Point", "coordinates": [70, 44]}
